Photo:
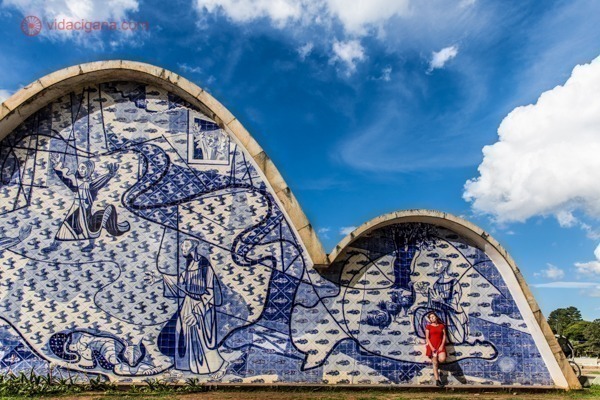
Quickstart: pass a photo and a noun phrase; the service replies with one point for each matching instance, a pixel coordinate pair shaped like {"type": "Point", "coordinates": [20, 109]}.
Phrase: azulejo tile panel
{"type": "Point", "coordinates": [138, 239]}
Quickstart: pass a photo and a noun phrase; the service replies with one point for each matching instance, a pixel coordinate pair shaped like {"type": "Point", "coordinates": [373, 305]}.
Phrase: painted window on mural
{"type": "Point", "coordinates": [137, 239]}
{"type": "Point", "coordinates": [208, 143]}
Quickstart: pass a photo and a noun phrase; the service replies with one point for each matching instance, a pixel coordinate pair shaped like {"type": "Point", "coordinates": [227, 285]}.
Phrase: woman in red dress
{"type": "Point", "coordinates": [435, 339]}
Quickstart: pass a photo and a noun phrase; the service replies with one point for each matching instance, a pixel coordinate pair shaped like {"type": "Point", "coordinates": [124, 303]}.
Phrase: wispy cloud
{"type": "Point", "coordinates": [591, 289]}
{"type": "Point", "coordinates": [551, 272]}
{"type": "Point", "coordinates": [440, 58]}
{"type": "Point", "coordinates": [568, 285]}
{"type": "Point", "coordinates": [320, 24]}
{"type": "Point", "coordinates": [279, 12]}
{"type": "Point", "coordinates": [590, 267]}
{"type": "Point", "coordinates": [386, 75]}
{"type": "Point", "coordinates": [324, 232]}
{"type": "Point", "coordinates": [189, 69]}
{"type": "Point", "coordinates": [356, 20]}
{"type": "Point", "coordinates": [305, 50]}
{"type": "Point", "coordinates": [348, 54]}
{"type": "Point", "coordinates": [346, 230]}
{"type": "Point", "coordinates": [4, 94]}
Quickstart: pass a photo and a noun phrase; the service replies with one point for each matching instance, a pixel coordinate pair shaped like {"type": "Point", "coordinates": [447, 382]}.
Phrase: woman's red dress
{"type": "Point", "coordinates": [436, 336]}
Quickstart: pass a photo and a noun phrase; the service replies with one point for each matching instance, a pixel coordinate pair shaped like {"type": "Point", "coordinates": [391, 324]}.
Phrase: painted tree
{"type": "Point", "coordinates": [408, 239]}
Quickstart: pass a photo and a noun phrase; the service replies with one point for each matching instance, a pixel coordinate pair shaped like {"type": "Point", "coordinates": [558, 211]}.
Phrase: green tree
{"type": "Point", "coordinates": [592, 338]}
{"type": "Point", "coordinates": [576, 334]}
{"type": "Point", "coordinates": [561, 318]}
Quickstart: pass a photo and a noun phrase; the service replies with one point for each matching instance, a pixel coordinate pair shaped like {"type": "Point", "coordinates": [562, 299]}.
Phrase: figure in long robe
{"type": "Point", "coordinates": [82, 223]}
{"type": "Point", "coordinates": [197, 291]}
{"type": "Point", "coordinates": [444, 300]}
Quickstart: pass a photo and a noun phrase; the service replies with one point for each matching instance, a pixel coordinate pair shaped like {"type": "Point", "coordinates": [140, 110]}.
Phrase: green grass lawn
{"type": "Point", "coordinates": [140, 393]}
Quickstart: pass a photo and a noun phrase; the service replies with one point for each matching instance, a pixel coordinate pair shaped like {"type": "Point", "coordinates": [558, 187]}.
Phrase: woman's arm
{"type": "Point", "coordinates": [427, 342]}
{"type": "Point", "coordinates": [443, 339]}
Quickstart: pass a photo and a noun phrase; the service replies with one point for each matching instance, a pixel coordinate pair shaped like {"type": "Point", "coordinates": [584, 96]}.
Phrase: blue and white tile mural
{"type": "Point", "coordinates": [138, 240]}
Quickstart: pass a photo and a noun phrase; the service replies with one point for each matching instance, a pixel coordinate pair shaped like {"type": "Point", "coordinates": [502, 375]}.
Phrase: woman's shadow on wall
{"type": "Point", "coordinates": [451, 368]}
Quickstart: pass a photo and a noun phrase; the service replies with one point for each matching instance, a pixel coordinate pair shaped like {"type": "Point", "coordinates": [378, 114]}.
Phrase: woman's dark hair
{"type": "Point", "coordinates": [437, 318]}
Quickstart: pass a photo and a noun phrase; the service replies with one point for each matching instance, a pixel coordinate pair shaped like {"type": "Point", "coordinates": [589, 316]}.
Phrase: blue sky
{"type": "Point", "coordinates": [368, 107]}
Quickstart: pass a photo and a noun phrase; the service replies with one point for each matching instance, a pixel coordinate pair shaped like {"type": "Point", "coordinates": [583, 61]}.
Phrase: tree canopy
{"type": "Point", "coordinates": [584, 335]}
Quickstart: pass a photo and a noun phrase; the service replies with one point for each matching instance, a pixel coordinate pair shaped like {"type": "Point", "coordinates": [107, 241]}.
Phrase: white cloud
{"type": "Point", "coordinates": [348, 53]}
{"type": "Point", "coordinates": [590, 267]}
{"type": "Point", "coordinates": [440, 58]}
{"type": "Point", "coordinates": [320, 20]}
{"type": "Point", "coordinates": [591, 289]}
{"type": "Point", "coordinates": [386, 75]}
{"type": "Point", "coordinates": [467, 3]}
{"type": "Point", "coordinates": [305, 50]}
{"type": "Point", "coordinates": [76, 10]}
{"type": "Point", "coordinates": [355, 20]}
{"type": "Point", "coordinates": [546, 159]}
{"type": "Point", "coordinates": [324, 232]}
{"type": "Point", "coordinates": [4, 94]}
{"type": "Point", "coordinates": [568, 285]}
{"type": "Point", "coordinates": [552, 272]}
{"type": "Point", "coordinates": [189, 69]}
{"type": "Point", "coordinates": [364, 13]}
{"type": "Point", "coordinates": [279, 11]}
{"type": "Point", "coordinates": [346, 230]}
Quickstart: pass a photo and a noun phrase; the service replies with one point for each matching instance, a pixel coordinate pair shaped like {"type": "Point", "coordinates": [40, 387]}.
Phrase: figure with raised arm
{"type": "Point", "coordinates": [82, 223]}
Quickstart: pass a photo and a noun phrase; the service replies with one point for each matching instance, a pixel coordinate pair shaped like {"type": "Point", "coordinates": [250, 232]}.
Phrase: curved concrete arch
{"type": "Point", "coordinates": [507, 266]}
{"type": "Point", "coordinates": [32, 97]}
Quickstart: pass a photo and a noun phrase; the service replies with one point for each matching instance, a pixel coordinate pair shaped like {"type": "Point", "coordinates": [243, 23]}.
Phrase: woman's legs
{"type": "Point", "coordinates": [434, 360]}
{"type": "Point", "coordinates": [441, 357]}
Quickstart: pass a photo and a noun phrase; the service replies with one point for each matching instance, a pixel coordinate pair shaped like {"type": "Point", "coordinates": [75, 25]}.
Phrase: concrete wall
{"type": "Point", "coordinates": [144, 234]}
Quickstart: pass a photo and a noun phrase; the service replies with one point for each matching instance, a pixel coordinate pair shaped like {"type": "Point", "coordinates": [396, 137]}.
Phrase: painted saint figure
{"type": "Point", "coordinates": [198, 293]}
{"type": "Point", "coordinates": [82, 223]}
{"type": "Point", "coordinates": [210, 145]}
{"type": "Point", "coordinates": [444, 300]}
